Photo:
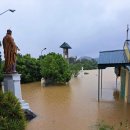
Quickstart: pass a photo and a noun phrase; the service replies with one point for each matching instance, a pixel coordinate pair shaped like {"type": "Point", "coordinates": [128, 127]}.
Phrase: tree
{"type": "Point", "coordinates": [29, 68]}
{"type": "Point", "coordinates": [72, 60]}
{"type": "Point", "coordinates": [75, 68]}
{"type": "Point", "coordinates": [87, 64]}
{"type": "Point", "coordinates": [55, 69]}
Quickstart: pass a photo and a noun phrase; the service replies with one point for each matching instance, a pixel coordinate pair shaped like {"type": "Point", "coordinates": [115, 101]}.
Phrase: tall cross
{"type": "Point", "coordinates": [127, 31]}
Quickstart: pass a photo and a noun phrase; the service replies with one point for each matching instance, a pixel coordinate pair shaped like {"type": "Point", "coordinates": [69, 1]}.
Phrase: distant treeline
{"type": "Point", "coordinates": [31, 68]}
{"type": "Point", "coordinates": [87, 64]}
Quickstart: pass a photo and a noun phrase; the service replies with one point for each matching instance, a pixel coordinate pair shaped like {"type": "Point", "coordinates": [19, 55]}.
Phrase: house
{"type": "Point", "coordinates": [120, 59]}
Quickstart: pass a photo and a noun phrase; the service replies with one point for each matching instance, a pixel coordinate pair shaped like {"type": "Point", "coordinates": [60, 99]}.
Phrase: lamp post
{"type": "Point", "coordinates": [11, 10]}
{"type": "Point", "coordinates": [42, 51]}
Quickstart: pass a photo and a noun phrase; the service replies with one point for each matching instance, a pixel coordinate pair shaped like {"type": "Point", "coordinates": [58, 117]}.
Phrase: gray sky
{"type": "Point", "coordinates": [88, 26]}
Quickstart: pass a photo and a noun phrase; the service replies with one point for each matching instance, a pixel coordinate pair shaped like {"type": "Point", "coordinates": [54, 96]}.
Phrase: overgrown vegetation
{"type": "Point", "coordinates": [32, 69]}
{"type": "Point", "coordinates": [77, 65]}
{"type": "Point", "coordinates": [87, 64]}
{"type": "Point", "coordinates": [11, 114]}
{"type": "Point", "coordinates": [55, 69]}
{"type": "Point", "coordinates": [29, 68]}
{"type": "Point", "coordinates": [75, 68]}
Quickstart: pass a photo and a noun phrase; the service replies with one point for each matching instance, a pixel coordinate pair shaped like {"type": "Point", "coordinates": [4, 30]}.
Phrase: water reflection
{"type": "Point", "coordinates": [116, 94]}
{"type": "Point", "coordinates": [75, 106]}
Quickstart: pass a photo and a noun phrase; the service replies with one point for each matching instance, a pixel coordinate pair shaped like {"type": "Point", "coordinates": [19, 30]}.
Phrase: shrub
{"type": "Point", "coordinates": [55, 68]}
{"type": "Point", "coordinates": [11, 115]}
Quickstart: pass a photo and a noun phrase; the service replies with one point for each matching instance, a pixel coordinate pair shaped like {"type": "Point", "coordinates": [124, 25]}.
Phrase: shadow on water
{"type": "Point", "coordinates": [75, 107]}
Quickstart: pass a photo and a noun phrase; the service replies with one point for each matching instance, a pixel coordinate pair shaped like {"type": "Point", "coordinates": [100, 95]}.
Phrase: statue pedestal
{"type": "Point", "coordinates": [12, 83]}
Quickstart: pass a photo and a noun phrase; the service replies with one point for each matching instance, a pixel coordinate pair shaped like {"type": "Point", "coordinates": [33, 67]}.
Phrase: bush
{"type": "Point", "coordinates": [29, 68]}
{"type": "Point", "coordinates": [55, 69]}
{"type": "Point", "coordinates": [75, 68]}
{"type": "Point", "coordinates": [11, 115]}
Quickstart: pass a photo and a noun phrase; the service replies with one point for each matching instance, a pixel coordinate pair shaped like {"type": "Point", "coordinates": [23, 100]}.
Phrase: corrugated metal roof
{"type": "Point", "coordinates": [112, 57]}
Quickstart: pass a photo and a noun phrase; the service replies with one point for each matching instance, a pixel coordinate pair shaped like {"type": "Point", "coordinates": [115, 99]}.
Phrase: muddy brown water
{"type": "Point", "coordinates": [75, 106]}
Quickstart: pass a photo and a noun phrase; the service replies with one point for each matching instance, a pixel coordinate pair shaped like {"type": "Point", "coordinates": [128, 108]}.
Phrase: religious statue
{"type": "Point", "coordinates": [10, 52]}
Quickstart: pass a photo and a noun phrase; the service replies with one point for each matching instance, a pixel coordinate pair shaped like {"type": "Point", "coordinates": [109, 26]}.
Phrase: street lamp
{"type": "Point", "coordinates": [42, 51]}
{"type": "Point", "coordinates": [11, 10]}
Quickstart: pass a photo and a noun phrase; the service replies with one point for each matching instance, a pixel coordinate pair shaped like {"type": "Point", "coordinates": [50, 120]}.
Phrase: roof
{"type": "Point", "coordinates": [112, 58]}
{"type": "Point", "coordinates": [65, 45]}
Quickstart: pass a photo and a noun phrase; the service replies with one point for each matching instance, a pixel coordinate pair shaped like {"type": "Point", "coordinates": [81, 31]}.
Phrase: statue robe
{"type": "Point", "coordinates": [10, 51]}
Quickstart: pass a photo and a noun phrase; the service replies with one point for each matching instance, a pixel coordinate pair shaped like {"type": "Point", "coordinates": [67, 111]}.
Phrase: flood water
{"type": "Point", "coordinates": [75, 106]}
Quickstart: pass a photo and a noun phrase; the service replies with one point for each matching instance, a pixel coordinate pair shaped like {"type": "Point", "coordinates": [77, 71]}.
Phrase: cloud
{"type": "Point", "coordinates": [88, 26]}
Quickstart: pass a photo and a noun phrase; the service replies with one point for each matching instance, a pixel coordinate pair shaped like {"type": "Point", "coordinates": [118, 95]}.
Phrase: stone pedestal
{"type": "Point", "coordinates": [12, 83]}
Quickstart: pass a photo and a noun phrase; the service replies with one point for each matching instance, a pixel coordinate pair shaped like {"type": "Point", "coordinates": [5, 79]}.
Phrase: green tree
{"type": "Point", "coordinates": [87, 64]}
{"type": "Point", "coordinates": [75, 68]}
{"type": "Point", "coordinates": [72, 60]}
{"type": "Point", "coordinates": [55, 68]}
{"type": "Point", "coordinates": [29, 68]}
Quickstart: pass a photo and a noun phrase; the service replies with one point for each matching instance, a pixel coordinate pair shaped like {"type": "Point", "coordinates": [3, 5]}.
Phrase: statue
{"type": "Point", "coordinates": [10, 52]}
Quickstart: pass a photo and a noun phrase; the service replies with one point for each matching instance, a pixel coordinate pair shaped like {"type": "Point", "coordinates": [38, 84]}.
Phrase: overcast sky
{"type": "Point", "coordinates": [88, 26]}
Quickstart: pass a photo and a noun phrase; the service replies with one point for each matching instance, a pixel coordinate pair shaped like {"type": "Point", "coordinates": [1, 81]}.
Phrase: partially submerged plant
{"type": "Point", "coordinates": [11, 115]}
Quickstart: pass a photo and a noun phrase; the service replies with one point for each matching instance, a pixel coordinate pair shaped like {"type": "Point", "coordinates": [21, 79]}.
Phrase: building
{"type": "Point", "coordinates": [120, 59]}
{"type": "Point", "coordinates": [65, 47]}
